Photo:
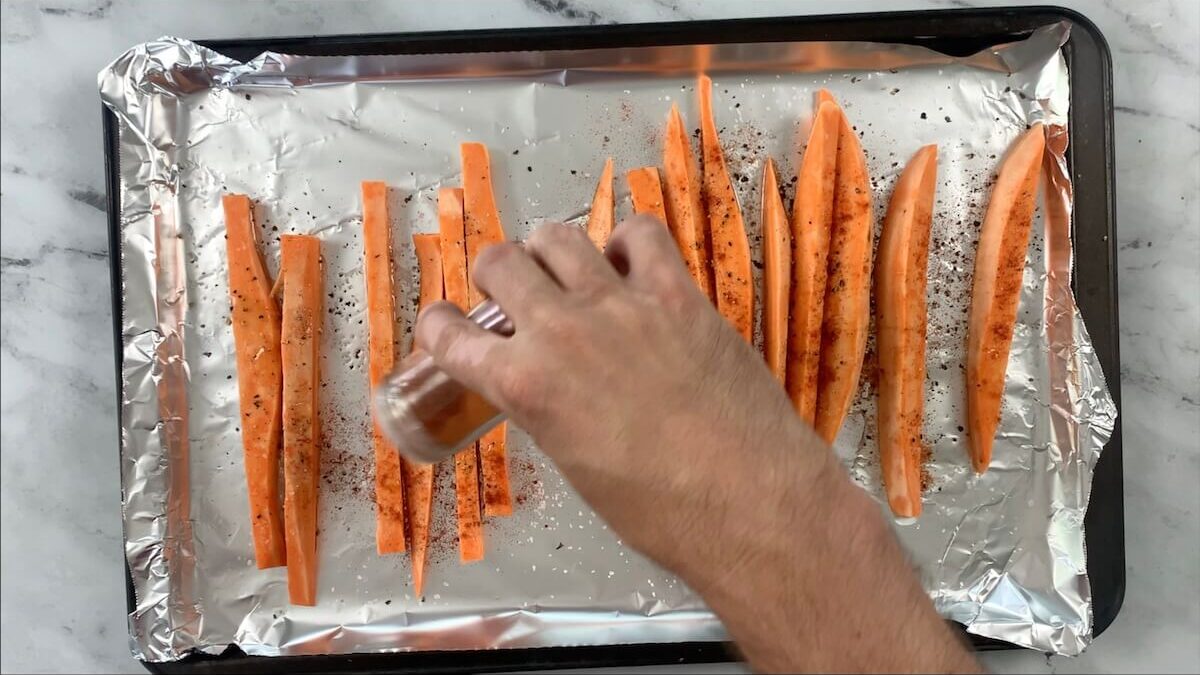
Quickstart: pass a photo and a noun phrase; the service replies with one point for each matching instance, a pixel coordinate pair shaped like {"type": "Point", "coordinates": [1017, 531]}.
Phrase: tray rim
{"type": "Point", "coordinates": [1092, 168]}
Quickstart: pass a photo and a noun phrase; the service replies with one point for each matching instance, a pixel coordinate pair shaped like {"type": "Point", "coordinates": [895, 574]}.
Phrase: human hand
{"type": "Point", "coordinates": [646, 399]}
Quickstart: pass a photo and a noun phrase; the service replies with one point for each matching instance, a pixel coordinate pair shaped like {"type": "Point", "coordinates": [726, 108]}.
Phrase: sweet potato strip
{"type": "Point", "coordinates": [466, 461]}
{"type": "Point", "coordinates": [381, 357]}
{"type": "Point", "coordinates": [300, 279]}
{"type": "Point", "coordinates": [996, 290]}
{"type": "Point", "coordinates": [497, 498]}
{"type": "Point", "coordinates": [480, 216]}
{"type": "Point", "coordinates": [900, 283]}
{"type": "Point", "coordinates": [812, 216]}
{"type": "Point", "coordinates": [418, 478]}
{"type": "Point", "coordinates": [685, 202]}
{"type": "Point", "coordinates": [777, 272]}
{"type": "Point", "coordinates": [600, 221]}
{"type": "Point", "coordinates": [453, 245]}
{"type": "Point", "coordinates": [847, 306]}
{"type": "Point", "coordinates": [255, 318]}
{"type": "Point", "coordinates": [732, 283]}
{"type": "Point", "coordinates": [483, 229]}
{"type": "Point", "coordinates": [645, 191]}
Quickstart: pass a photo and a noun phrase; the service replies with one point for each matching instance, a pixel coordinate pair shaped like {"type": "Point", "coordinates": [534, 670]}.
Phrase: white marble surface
{"type": "Point", "coordinates": [62, 599]}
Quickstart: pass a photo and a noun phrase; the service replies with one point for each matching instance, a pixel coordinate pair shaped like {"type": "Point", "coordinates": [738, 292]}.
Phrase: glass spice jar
{"type": "Point", "coordinates": [427, 414]}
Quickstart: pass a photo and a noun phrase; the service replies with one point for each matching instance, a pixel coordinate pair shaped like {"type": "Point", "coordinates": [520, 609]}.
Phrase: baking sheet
{"type": "Point", "coordinates": [1002, 553]}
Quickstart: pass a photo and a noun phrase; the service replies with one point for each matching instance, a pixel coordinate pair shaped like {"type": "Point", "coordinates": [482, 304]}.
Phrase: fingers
{"type": "Point", "coordinates": [571, 257]}
{"type": "Point", "coordinates": [510, 276]}
{"type": "Point", "coordinates": [643, 249]}
{"type": "Point", "coordinates": [465, 351]}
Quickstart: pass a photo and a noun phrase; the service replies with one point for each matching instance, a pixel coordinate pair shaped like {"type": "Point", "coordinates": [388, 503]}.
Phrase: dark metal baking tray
{"type": "Point", "coordinates": [955, 32]}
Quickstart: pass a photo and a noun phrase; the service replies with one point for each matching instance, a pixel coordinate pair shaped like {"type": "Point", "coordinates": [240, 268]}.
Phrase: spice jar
{"type": "Point", "coordinates": [427, 414]}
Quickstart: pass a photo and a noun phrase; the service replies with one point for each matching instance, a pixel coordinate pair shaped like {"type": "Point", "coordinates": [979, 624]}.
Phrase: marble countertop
{"type": "Point", "coordinates": [63, 605]}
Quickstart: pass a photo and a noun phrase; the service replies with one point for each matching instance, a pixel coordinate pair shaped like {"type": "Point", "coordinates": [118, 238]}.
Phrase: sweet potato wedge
{"type": "Point", "coordinates": [847, 307]}
{"type": "Point", "coordinates": [418, 478]}
{"type": "Point", "coordinates": [483, 229]}
{"type": "Point", "coordinates": [300, 279]}
{"type": "Point", "coordinates": [381, 357]}
{"type": "Point", "coordinates": [732, 281]}
{"type": "Point", "coordinates": [457, 285]}
{"type": "Point", "coordinates": [777, 273]}
{"type": "Point", "coordinates": [901, 276]}
{"type": "Point", "coordinates": [601, 219]}
{"type": "Point", "coordinates": [996, 288]}
{"type": "Point", "coordinates": [685, 202]}
{"type": "Point", "coordinates": [452, 243]}
{"type": "Point", "coordinates": [812, 217]}
{"type": "Point", "coordinates": [645, 191]}
{"type": "Point", "coordinates": [481, 219]}
{"type": "Point", "coordinates": [255, 316]}
{"type": "Point", "coordinates": [493, 465]}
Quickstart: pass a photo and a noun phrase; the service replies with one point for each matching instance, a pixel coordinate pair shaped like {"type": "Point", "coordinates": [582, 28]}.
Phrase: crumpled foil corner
{"type": "Point", "coordinates": [1002, 553]}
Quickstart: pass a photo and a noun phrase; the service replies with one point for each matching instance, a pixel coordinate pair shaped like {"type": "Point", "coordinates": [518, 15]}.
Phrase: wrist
{"type": "Point", "coordinates": [778, 501]}
{"type": "Point", "coordinates": [800, 567]}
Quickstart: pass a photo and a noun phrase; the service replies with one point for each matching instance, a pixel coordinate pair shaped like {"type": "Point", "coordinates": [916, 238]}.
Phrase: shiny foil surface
{"type": "Point", "coordinates": [1002, 553]}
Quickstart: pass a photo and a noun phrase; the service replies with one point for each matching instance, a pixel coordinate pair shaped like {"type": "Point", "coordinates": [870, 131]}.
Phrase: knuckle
{"type": "Point", "coordinates": [658, 236]}
{"type": "Point", "coordinates": [561, 327]}
{"type": "Point", "coordinates": [629, 229]}
{"type": "Point", "coordinates": [575, 233]}
{"type": "Point", "coordinates": [649, 234]}
{"type": "Point", "coordinates": [638, 317]}
{"type": "Point", "coordinates": [494, 256]}
{"type": "Point", "coordinates": [645, 222]}
{"type": "Point", "coordinates": [558, 236]}
{"type": "Point", "coordinates": [677, 292]}
{"type": "Point", "coordinates": [523, 389]}
{"type": "Point", "coordinates": [622, 310]}
{"type": "Point", "coordinates": [596, 292]}
{"type": "Point", "coordinates": [537, 315]}
{"type": "Point", "coordinates": [449, 340]}
{"type": "Point", "coordinates": [549, 234]}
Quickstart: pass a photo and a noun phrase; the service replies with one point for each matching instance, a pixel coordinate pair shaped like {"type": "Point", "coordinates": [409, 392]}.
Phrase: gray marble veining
{"type": "Point", "coordinates": [62, 605]}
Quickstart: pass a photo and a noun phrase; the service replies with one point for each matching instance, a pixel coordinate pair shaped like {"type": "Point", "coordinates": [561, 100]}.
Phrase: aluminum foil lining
{"type": "Point", "coordinates": [1002, 553]}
